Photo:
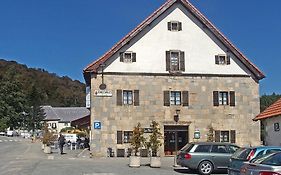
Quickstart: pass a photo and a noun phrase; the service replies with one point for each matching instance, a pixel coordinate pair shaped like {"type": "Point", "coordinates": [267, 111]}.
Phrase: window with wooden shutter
{"type": "Point", "coordinates": [217, 136]}
{"type": "Point", "coordinates": [233, 136]}
{"type": "Point", "coordinates": [119, 137]}
{"type": "Point", "coordinates": [168, 60]}
{"type": "Point", "coordinates": [182, 61]}
{"type": "Point", "coordinates": [185, 98]}
{"type": "Point", "coordinates": [174, 26]}
{"type": "Point", "coordinates": [216, 59]}
{"type": "Point", "coordinates": [136, 98]}
{"type": "Point", "coordinates": [228, 59]}
{"type": "Point", "coordinates": [134, 57]}
{"type": "Point", "coordinates": [119, 97]}
{"type": "Point", "coordinates": [166, 98]}
{"type": "Point", "coordinates": [121, 56]}
{"type": "Point", "coordinates": [232, 98]}
{"type": "Point", "coordinates": [216, 98]}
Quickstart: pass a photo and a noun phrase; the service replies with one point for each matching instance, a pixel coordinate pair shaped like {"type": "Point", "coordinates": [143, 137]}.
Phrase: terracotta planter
{"type": "Point", "coordinates": [134, 161]}
{"type": "Point", "coordinates": [47, 150]}
{"type": "Point", "coordinates": [155, 162]}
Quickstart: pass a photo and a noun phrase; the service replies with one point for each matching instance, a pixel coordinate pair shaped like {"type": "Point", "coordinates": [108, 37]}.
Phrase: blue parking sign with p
{"type": "Point", "coordinates": [97, 125]}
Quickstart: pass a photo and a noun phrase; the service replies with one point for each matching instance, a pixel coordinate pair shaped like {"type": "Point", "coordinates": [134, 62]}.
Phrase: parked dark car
{"type": "Point", "coordinates": [246, 154]}
{"type": "Point", "coordinates": [266, 165]}
{"type": "Point", "coordinates": [206, 156]}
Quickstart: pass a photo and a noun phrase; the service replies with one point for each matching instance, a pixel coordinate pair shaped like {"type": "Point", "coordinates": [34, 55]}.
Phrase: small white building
{"type": "Point", "coordinates": [271, 120]}
{"type": "Point", "coordinates": [58, 118]}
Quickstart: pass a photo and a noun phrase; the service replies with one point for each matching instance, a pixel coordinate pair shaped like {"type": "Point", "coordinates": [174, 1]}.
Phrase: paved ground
{"type": "Point", "coordinates": [25, 158]}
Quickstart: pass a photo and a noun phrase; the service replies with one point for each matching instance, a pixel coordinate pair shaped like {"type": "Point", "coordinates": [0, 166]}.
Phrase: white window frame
{"type": "Point", "coordinates": [223, 98]}
{"type": "Point", "coordinates": [175, 98]}
{"type": "Point", "coordinates": [127, 98]}
{"type": "Point", "coordinates": [175, 61]}
{"type": "Point", "coordinates": [177, 28]}
{"type": "Point", "coordinates": [127, 57]}
{"type": "Point", "coordinates": [222, 59]}
{"type": "Point", "coordinates": [225, 138]}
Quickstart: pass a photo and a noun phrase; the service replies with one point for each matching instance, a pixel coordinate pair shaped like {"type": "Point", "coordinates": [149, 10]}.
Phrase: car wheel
{"type": "Point", "coordinates": [205, 168]}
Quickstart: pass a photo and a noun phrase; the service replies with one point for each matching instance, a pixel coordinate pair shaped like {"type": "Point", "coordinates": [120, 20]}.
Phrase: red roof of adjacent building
{"type": "Point", "coordinates": [272, 111]}
{"type": "Point", "coordinates": [93, 67]}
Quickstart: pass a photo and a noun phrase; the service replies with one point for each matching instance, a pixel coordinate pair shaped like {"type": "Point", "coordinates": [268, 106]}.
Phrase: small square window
{"type": "Point", "coordinates": [222, 59]}
{"type": "Point", "coordinates": [128, 57]}
{"type": "Point", "coordinates": [174, 26]}
{"type": "Point", "coordinates": [175, 98]}
{"type": "Point", "coordinates": [223, 98]}
{"type": "Point", "coordinates": [224, 137]}
{"type": "Point", "coordinates": [276, 127]}
{"type": "Point", "coordinates": [127, 97]}
{"type": "Point", "coordinates": [128, 136]}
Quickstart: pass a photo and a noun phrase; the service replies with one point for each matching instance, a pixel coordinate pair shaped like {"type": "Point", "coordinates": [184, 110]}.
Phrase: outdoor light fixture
{"type": "Point", "coordinates": [177, 115]}
{"type": "Point", "coordinates": [102, 85]}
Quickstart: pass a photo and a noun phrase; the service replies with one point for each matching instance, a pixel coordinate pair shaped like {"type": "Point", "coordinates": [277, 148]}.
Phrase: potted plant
{"type": "Point", "coordinates": [48, 138]}
{"type": "Point", "coordinates": [153, 144]}
{"type": "Point", "coordinates": [137, 142]}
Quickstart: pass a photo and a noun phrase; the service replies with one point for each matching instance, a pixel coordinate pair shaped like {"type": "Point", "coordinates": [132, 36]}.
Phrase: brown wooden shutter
{"type": "Point", "coordinates": [134, 57]}
{"type": "Point", "coordinates": [180, 26]}
{"type": "Point", "coordinates": [169, 26]}
{"type": "Point", "coordinates": [185, 100]}
{"type": "Point", "coordinates": [217, 136]}
{"type": "Point", "coordinates": [232, 136]}
{"type": "Point", "coordinates": [228, 59]}
{"type": "Point", "coordinates": [121, 56]}
{"type": "Point", "coordinates": [166, 98]}
{"type": "Point", "coordinates": [216, 59]}
{"type": "Point", "coordinates": [136, 98]}
{"type": "Point", "coordinates": [119, 137]}
{"type": "Point", "coordinates": [216, 98]}
{"type": "Point", "coordinates": [168, 61]}
{"type": "Point", "coordinates": [232, 98]}
{"type": "Point", "coordinates": [119, 97]}
{"type": "Point", "coordinates": [182, 61]}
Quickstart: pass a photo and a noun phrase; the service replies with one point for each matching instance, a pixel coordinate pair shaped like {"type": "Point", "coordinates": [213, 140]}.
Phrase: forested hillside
{"type": "Point", "coordinates": [54, 90]}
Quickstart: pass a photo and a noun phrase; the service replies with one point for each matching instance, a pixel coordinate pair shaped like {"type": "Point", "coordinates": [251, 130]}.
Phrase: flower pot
{"type": "Point", "coordinates": [155, 162]}
{"type": "Point", "coordinates": [42, 146]}
{"type": "Point", "coordinates": [47, 150]}
{"type": "Point", "coordinates": [134, 161]}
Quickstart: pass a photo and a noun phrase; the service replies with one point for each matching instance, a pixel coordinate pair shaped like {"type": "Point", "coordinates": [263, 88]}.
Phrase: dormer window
{"type": "Point", "coordinates": [174, 26]}
{"type": "Point", "coordinates": [222, 59]}
{"type": "Point", "coordinates": [127, 57]}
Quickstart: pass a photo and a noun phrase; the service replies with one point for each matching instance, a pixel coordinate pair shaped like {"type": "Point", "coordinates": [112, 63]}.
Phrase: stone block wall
{"type": "Point", "coordinates": [198, 115]}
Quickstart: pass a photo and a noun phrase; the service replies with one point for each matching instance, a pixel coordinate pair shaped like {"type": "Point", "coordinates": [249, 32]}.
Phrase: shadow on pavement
{"type": "Point", "coordinates": [188, 171]}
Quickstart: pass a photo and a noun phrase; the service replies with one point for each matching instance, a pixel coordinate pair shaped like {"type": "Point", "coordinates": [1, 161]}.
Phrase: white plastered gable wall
{"type": "Point", "coordinates": [199, 45]}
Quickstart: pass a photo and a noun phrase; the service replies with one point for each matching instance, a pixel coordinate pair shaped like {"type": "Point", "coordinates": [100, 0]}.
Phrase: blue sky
{"type": "Point", "coordinates": [64, 36]}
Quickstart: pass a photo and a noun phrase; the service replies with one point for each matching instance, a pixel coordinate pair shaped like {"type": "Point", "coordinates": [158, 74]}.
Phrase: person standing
{"type": "Point", "coordinates": [61, 141]}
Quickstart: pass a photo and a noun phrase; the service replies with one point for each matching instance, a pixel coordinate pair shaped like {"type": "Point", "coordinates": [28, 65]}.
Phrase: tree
{"type": "Point", "coordinates": [12, 104]}
{"type": "Point", "coordinates": [155, 137]}
{"type": "Point", "coordinates": [137, 139]}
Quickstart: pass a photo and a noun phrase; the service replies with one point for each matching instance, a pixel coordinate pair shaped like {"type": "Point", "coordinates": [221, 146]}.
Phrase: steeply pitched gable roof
{"type": "Point", "coordinates": [272, 111]}
{"type": "Point", "coordinates": [95, 65]}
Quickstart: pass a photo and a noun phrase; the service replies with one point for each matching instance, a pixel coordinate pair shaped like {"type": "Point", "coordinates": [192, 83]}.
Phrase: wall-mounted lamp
{"type": "Point", "coordinates": [177, 115]}
{"type": "Point", "coordinates": [102, 85]}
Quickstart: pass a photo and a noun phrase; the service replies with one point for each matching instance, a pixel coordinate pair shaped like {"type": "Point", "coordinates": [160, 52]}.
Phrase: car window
{"type": "Point", "coordinates": [260, 154]}
{"type": "Point", "coordinates": [242, 153]}
{"type": "Point", "coordinates": [203, 148]}
{"type": "Point", "coordinates": [219, 149]}
{"type": "Point", "coordinates": [233, 149]}
{"type": "Point", "coordinates": [269, 151]}
{"type": "Point", "coordinates": [187, 147]}
{"type": "Point", "coordinates": [274, 160]}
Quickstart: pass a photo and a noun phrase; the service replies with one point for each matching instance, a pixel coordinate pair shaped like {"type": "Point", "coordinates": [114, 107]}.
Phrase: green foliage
{"type": "Point", "coordinates": [154, 142]}
{"type": "Point", "coordinates": [66, 129]}
{"type": "Point", "coordinates": [137, 139]}
{"type": "Point", "coordinates": [23, 90]}
{"type": "Point", "coordinates": [267, 100]}
{"type": "Point", "coordinates": [48, 136]}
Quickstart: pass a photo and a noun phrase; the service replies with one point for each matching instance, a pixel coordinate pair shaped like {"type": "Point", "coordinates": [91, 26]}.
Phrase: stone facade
{"type": "Point", "coordinates": [198, 115]}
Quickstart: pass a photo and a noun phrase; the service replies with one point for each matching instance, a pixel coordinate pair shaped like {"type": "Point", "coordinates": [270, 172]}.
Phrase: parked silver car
{"type": "Point", "coordinates": [206, 156]}
{"type": "Point", "coordinates": [246, 154]}
{"type": "Point", "coordinates": [266, 165]}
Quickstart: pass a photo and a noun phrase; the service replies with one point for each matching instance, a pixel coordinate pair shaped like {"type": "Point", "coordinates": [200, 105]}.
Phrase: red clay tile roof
{"type": "Point", "coordinates": [272, 111]}
{"type": "Point", "coordinates": [95, 65]}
